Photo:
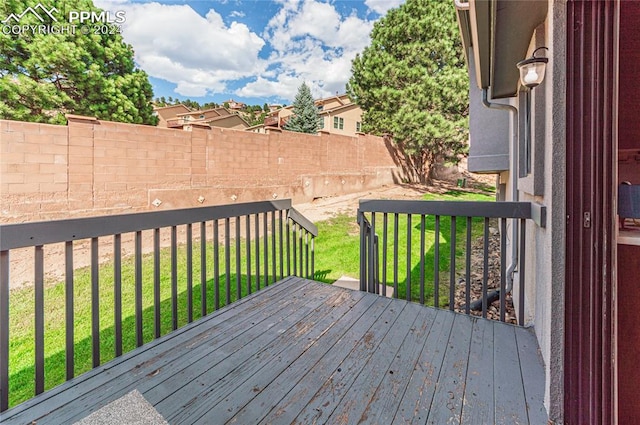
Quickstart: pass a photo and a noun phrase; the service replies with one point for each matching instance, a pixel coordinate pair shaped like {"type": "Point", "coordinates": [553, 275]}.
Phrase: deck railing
{"type": "Point", "coordinates": [261, 242]}
{"type": "Point", "coordinates": [406, 236]}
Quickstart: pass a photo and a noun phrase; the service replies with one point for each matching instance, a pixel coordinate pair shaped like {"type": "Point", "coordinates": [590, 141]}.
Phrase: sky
{"type": "Point", "coordinates": [252, 51]}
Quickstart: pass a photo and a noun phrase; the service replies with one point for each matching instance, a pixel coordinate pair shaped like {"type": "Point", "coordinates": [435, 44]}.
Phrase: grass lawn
{"type": "Point", "coordinates": [21, 368]}
{"type": "Point", "coordinates": [338, 247]}
{"type": "Point", "coordinates": [336, 254]}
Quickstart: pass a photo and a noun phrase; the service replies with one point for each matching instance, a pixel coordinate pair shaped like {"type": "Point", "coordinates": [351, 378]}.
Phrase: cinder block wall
{"type": "Point", "coordinates": [92, 167]}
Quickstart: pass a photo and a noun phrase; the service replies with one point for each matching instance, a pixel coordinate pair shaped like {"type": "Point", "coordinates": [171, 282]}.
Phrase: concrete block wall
{"type": "Point", "coordinates": [92, 167]}
{"type": "Point", "coordinates": [34, 169]}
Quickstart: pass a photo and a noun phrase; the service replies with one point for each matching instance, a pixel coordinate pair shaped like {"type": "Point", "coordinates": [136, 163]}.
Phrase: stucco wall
{"type": "Point", "coordinates": [489, 145]}
{"type": "Point", "coordinates": [92, 167]}
{"type": "Point", "coordinates": [545, 247]}
{"type": "Point", "coordinates": [546, 256]}
{"type": "Point", "coordinates": [350, 116]}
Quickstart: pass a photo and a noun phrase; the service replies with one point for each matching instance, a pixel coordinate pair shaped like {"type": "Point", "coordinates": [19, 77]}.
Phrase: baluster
{"type": "Point", "coordinates": [189, 273]}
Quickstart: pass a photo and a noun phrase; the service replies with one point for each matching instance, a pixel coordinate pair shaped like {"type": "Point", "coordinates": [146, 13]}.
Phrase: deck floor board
{"type": "Point", "coordinates": [118, 377]}
{"type": "Point", "coordinates": [305, 352]}
{"type": "Point", "coordinates": [508, 388]}
{"type": "Point", "coordinates": [425, 376]}
{"type": "Point", "coordinates": [360, 396]}
{"type": "Point", "coordinates": [305, 402]}
{"type": "Point", "coordinates": [449, 391]}
{"type": "Point", "coordinates": [189, 354]}
{"type": "Point", "coordinates": [245, 355]}
{"type": "Point", "coordinates": [478, 396]}
{"type": "Point", "coordinates": [290, 351]}
{"type": "Point", "coordinates": [389, 394]}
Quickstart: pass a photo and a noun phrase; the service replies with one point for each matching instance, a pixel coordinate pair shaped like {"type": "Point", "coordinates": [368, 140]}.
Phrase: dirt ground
{"type": "Point", "coordinates": [324, 208]}
{"type": "Point", "coordinates": [21, 263]}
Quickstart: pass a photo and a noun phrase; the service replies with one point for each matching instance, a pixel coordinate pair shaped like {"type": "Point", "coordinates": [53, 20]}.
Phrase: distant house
{"type": "Point", "coordinates": [234, 105]}
{"type": "Point", "coordinates": [216, 117]}
{"type": "Point", "coordinates": [204, 115]}
{"type": "Point", "coordinates": [233, 121]}
{"type": "Point", "coordinates": [258, 128]}
{"type": "Point", "coordinates": [166, 113]}
{"type": "Point", "coordinates": [339, 116]}
{"type": "Point", "coordinates": [279, 117]}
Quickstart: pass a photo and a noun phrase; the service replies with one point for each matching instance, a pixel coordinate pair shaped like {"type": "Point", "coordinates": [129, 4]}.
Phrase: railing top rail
{"type": "Point", "coordinates": [449, 208]}
{"type": "Point", "coordinates": [22, 235]}
{"type": "Point", "coordinates": [303, 221]}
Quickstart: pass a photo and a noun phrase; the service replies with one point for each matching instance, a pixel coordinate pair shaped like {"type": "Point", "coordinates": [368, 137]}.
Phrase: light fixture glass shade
{"type": "Point", "coordinates": [532, 71]}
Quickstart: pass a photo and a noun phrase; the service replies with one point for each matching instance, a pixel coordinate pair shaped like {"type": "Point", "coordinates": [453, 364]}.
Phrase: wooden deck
{"type": "Point", "coordinates": [306, 352]}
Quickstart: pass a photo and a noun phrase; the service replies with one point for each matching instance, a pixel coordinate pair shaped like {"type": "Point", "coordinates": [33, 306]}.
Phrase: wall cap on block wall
{"type": "Point", "coordinates": [189, 126]}
{"type": "Point", "coordinates": [198, 125]}
{"type": "Point", "coordinates": [75, 118]}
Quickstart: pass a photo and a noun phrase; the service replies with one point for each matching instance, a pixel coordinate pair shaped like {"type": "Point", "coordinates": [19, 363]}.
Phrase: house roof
{"type": "Point", "coordinates": [338, 109]}
{"type": "Point", "coordinates": [498, 34]}
{"type": "Point", "coordinates": [211, 121]}
{"type": "Point", "coordinates": [277, 111]}
{"type": "Point", "coordinates": [218, 111]}
{"type": "Point", "coordinates": [255, 126]}
{"type": "Point", "coordinates": [341, 98]}
{"type": "Point", "coordinates": [171, 111]}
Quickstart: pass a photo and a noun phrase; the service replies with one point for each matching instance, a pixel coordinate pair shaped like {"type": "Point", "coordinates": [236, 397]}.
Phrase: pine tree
{"type": "Point", "coordinates": [305, 118]}
{"type": "Point", "coordinates": [43, 76]}
{"type": "Point", "coordinates": [412, 84]}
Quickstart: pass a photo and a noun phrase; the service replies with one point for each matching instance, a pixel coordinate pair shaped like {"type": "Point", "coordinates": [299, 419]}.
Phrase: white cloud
{"type": "Point", "coordinates": [382, 6]}
{"type": "Point", "coordinates": [286, 86]}
{"type": "Point", "coordinates": [199, 54]}
{"type": "Point", "coordinates": [307, 40]}
{"type": "Point", "coordinates": [318, 20]}
{"type": "Point", "coordinates": [312, 41]}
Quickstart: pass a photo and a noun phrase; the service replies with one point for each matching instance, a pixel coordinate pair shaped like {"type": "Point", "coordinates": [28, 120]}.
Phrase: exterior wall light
{"type": "Point", "coordinates": [532, 69]}
{"type": "Point", "coordinates": [531, 75]}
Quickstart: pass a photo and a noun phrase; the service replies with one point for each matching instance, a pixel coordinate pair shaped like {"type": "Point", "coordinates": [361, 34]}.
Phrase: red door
{"type": "Point", "coordinates": [627, 287]}
{"type": "Point", "coordinates": [590, 150]}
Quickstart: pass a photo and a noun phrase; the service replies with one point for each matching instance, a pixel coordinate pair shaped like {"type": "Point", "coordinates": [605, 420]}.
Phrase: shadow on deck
{"type": "Point", "coordinates": [304, 352]}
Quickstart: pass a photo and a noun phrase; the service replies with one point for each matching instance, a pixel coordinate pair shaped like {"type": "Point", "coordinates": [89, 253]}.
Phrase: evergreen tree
{"type": "Point", "coordinates": [412, 84]}
{"type": "Point", "coordinates": [253, 115]}
{"type": "Point", "coordinates": [305, 118]}
{"type": "Point", "coordinates": [46, 75]}
{"type": "Point", "coordinates": [191, 104]}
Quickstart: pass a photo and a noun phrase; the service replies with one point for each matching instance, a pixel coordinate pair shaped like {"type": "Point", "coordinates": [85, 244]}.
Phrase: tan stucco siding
{"type": "Point", "coordinates": [349, 116]}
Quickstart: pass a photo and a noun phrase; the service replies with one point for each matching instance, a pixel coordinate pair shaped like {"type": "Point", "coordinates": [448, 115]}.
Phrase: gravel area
{"type": "Point", "coordinates": [493, 279]}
